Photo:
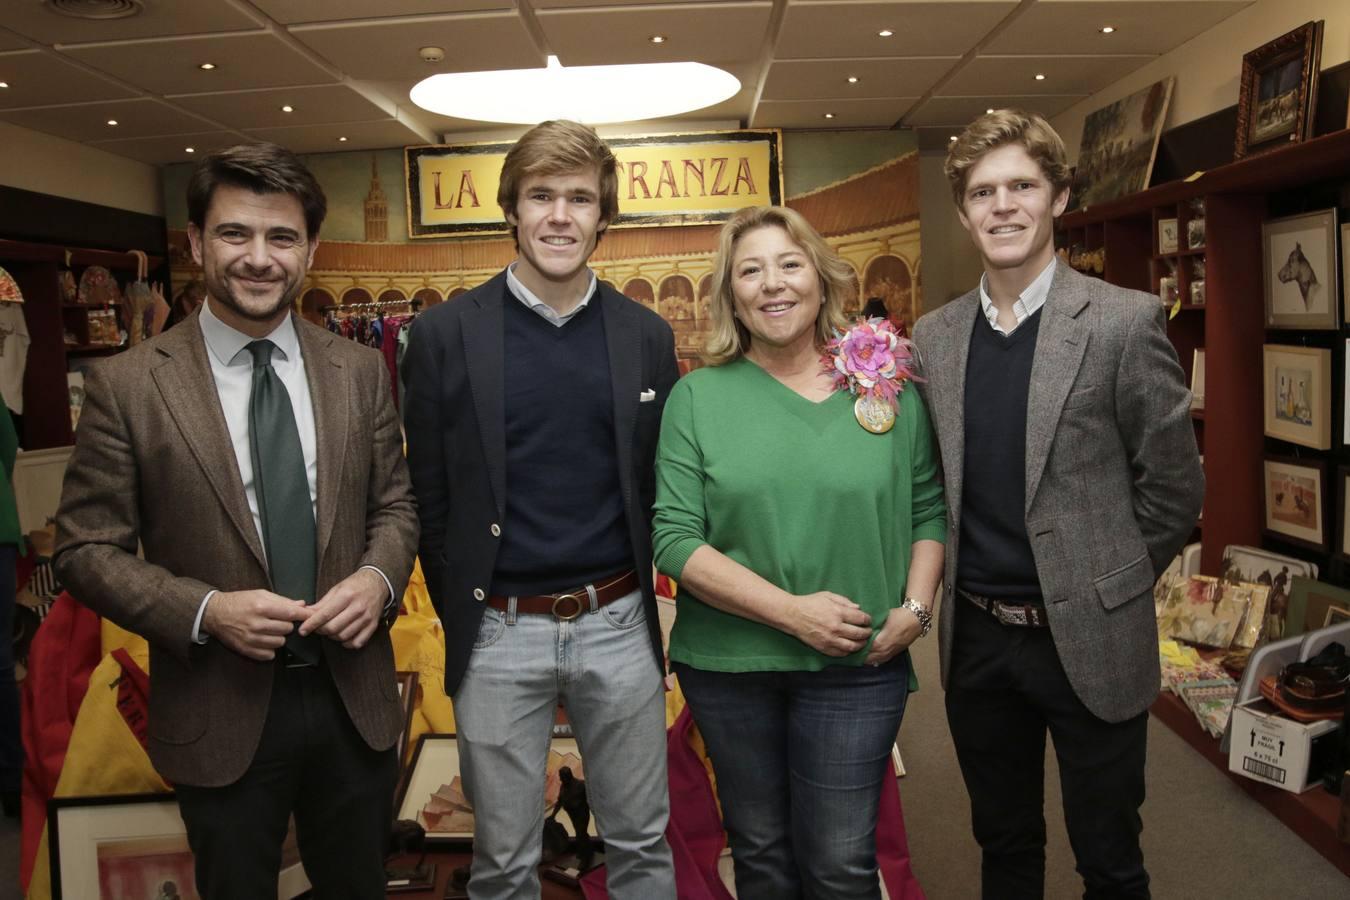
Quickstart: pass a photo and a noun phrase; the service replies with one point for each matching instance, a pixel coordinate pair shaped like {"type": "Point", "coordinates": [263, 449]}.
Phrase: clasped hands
{"type": "Point", "coordinates": [836, 626]}
{"type": "Point", "coordinates": [255, 623]}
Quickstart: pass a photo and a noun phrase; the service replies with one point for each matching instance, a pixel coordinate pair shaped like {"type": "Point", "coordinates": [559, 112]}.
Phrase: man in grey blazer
{"type": "Point", "coordinates": [1072, 478]}
{"type": "Point", "coordinates": [257, 462]}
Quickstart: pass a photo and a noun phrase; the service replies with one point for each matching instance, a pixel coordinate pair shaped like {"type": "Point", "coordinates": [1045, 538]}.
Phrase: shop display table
{"type": "Point", "coordinates": [1311, 815]}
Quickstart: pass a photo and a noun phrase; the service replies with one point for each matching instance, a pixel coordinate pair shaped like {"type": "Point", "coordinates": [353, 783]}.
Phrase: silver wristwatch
{"type": "Point", "coordinates": [924, 616]}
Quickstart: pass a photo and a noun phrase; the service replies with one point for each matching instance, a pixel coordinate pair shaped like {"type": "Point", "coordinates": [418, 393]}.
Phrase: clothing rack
{"type": "Point", "coordinates": [373, 306]}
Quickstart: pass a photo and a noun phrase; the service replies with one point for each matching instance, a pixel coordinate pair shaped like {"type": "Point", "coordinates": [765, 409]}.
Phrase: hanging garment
{"type": "Point", "coordinates": [14, 343]}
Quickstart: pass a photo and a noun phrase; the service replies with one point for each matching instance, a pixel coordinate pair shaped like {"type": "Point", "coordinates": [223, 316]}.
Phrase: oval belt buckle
{"type": "Point", "coordinates": [559, 599]}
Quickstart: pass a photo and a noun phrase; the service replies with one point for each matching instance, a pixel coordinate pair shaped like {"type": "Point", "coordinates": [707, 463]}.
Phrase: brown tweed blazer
{"type": "Point", "coordinates": [153, 465]}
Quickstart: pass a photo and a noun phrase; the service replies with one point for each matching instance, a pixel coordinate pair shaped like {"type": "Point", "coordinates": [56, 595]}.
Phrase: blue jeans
{"type": "Point", "coordinates": [11, 746]}
{"type": "Point", "coordinates": [800, 758]}
{"type": "Point", "coordinates": [600, 666]}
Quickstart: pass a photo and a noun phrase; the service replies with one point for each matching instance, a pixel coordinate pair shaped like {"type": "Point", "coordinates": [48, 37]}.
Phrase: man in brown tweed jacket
{"type": "Point", "coordinates": [176, 452]}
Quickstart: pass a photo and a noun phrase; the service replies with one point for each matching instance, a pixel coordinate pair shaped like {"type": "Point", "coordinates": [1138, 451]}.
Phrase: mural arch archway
{"type": "Point", "coordinates": [888, 277]}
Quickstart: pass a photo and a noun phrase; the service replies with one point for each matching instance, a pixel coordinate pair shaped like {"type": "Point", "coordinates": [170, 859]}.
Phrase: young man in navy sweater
{"type": "Point", "coordinates": [532, 413]}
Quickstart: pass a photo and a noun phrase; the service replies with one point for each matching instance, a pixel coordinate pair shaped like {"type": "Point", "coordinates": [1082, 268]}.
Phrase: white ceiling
{"type": "Point", "coordinates": [346, 66]}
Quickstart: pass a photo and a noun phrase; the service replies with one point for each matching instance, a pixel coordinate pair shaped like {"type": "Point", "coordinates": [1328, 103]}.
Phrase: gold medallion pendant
{"type": "Point", "coordinates": [877, 416]}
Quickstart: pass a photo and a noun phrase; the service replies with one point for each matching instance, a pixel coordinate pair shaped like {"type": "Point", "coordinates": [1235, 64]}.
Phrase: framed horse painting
{"type": "Point", "coordinates": [1302, 277]}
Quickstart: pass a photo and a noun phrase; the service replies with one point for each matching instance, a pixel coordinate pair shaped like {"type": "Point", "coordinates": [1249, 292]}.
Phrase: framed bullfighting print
{"type": "Point", "coordinates": [1302, 277]}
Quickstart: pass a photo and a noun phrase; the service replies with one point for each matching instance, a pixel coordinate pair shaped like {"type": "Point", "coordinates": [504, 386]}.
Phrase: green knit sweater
{"type": "Point", "coordinates": [796, 491]}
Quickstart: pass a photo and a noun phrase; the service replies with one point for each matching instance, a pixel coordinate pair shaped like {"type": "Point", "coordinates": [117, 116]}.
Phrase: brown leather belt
{"type": "Point", "coordinates": [567, 605]}
{"type": "Point", "coordinates": [1026, 615]}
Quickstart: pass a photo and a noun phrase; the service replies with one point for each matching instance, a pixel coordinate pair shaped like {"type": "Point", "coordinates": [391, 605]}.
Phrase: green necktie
{"type": "Point", "coordinates": [281, 484]}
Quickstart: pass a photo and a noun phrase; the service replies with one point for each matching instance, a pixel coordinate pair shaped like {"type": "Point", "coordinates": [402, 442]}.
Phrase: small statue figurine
{"type": "Point", "coordinates": [572, 800]}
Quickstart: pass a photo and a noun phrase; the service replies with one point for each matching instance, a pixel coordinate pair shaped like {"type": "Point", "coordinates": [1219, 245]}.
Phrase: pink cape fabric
{"type": "Point", "coordinates": [696, 837]}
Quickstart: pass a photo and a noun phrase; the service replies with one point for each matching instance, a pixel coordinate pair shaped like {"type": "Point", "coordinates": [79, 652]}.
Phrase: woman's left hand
{"type": "Point", "coordinates": [901, 629]}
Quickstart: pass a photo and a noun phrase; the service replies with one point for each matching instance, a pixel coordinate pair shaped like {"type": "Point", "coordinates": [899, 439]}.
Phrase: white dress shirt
{"type": "Point", "coordinates": [531, 301]}
{"type": "Point", "coordinates": [1030, 300]}
{"type": "Point", "coordinates": [232, 369]}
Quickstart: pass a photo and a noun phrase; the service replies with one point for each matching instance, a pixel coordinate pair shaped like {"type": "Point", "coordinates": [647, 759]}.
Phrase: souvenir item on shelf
{"type": "Point", "coordinates": [1198, 379]}
{"type": "Point", "coordinates": [98, 287]}
{"type": "Point", "coordinates": [1195, 234]}
{"type": "Point", "coordinates": [9, 288]}
{"type": "Point", "coordinates": [1203, 610]}
{"type": "Point", "coordinates": [1167, 235]}
{"type": "Point", "coordinates": [1277, 99]}
{"type": "Point", "coordinates": [66, 282]}
{"type": "Point", "coordinates": [1261, 566]}
{"type": "Point", "coordinates": [1309, 603]}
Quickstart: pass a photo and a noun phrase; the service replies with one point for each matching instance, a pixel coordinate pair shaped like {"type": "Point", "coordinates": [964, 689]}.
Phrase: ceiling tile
{"type": "Point", "coordinates": [313, 105]}
{"type": "Point", "coordinates": [812, 79]}
{"type": "Point", "coordinates": [877, 113]}
{"type": "Point", "coordinates": [995, 75]}
{"type": "Point", "coordinates": [934, 141]}
{"type": "Point", "coordinates": [88, 121]}
{"type": "Point", "coordinates": [1142, 26]}
{"type": "Point", "coordinates": [158, 18]}
{"type": "Point", "coordinates": [706, 32]}
{"type": "Point", "coordinates": [290, 12]}
{"type": "Point", "coordinates": [564, 4]}
{"type": "Point", "coordinates": [388, 50]}
{"type": "Point", "coordinates": [39, 78]}
{"type": "Point", "coordinates": [11, 41]}
{"type": "Point", "coordinates": [324, 138]}
{"type": "Point", "coordinates": [957, 112]}
{"type": "Point", "coordinates": [171, 149]}
{"type": "Point", "coordinates": [813, 29]}
{"type": "Point", "coordinates": [255, 59]}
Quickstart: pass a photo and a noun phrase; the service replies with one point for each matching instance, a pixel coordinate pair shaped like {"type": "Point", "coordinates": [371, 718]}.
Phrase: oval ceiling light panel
{"type": "Point", "coordinates": [591, 94]}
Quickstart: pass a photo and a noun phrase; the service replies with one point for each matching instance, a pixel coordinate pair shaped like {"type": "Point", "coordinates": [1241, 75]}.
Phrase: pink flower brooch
{"type": "Point", "coordinates": [874, 363]}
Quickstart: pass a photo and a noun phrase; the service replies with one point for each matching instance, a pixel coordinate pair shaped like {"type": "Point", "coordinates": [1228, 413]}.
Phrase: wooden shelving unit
{"type": "Point", "coordinates": [37, 268]}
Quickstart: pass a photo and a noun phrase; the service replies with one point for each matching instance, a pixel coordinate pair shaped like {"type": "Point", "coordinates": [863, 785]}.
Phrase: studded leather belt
{"type": "Point", "coordinates": [1026, 615]}
{"type": "Point", "coordinates": [567, 605]}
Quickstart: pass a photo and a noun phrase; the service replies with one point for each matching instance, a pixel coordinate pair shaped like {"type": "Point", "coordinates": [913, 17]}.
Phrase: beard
{"type": "Point", "coordinates": [256, 309]}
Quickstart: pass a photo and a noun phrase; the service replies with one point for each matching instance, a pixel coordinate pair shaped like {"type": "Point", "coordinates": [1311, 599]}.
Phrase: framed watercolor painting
{"type": "Point", "coordinates": [1277, 100]}
{"type": "Point", "coordinates": [1297, 394]}
{"type": "Point", "coordinates": [1293, 500]}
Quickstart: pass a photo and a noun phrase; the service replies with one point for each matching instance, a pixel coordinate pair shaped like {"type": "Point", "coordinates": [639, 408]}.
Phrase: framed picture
{"type": "Point", "coordinates": [1277, 101]}
{"type": "Point", "coordinates": [1256, 565]}
{"type": "Point", "coordinates": [1198, 293]}
{"type": "Point", "coordinates": [432, 793]}
{"type": "Point", "coordinates": [1297, 394]}
{"type": "Point", "coordinates": [407, 698]}
{"type": "Point", "coordinates": [1302, 283]}
{"type": "Point", "coordinates": [1335, 616]}
{"type": "Point", "coordinates": [1311, 602]}
{"type": "Point", "coordinates": [1195, 234]}
{"type": "Point", "coordinates": [1167, 235]}
{"type": "Point", "coordinates": [1293, 491]}
{"type": "Point", "coordinates": [1342, 499]}
{"type": "Point", "coordinates": [134, 845]}
{"type": "Point", "coordinates": [1119, 144]}
{"type": "Point", "coordinates": [1167, 290]}
{"type": "Point", "coordinates": [1345, 271]}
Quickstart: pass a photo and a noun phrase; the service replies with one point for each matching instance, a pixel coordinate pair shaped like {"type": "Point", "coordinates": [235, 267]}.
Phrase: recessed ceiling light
{"type": "Point", "coordinates": [1108, 29]}
{"type": "Point", "coordinates": [341, 139]}
{"type": "Point", "coordinates": [288, 108]}
{"type": "Point", "coordinates": [952, 139]}
{"type": "Point", "coordinates": [885, 32]}
{"type": "Point", "coordinates": [657, 39]}
{"type": "Point", "coordinates": [1040, 77]}
{"type": "Point", "coordinates": [207, 67]}
{"type": "Point", "coordinates": [189, 149]}
{"type": "Point", "coordinates": [112, 121]}
{"type": "Point", "coordinates": [590, 94]}
{"type": "Point", "coordinates": [829, 115]}
{"type": "Point", "coordinates": [853, 79]}
{"type": "Point", "coordinates": [4, 84]}
{"type": "Point", "coordinates": [988, 111]}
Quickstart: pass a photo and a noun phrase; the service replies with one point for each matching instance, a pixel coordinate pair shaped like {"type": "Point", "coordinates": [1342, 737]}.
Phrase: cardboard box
{"type": "Point", "coordinates": [1270, 748]}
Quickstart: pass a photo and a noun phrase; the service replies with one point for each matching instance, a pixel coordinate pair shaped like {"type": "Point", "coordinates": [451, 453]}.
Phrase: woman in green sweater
{"type": "Point", "coordinates": [808, 548]}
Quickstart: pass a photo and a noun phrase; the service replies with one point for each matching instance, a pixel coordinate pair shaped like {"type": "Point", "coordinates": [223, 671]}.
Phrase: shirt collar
{"type": "Point", "coordinates": [226, 343]}
{"type": "Point", "coordinates": [528, 297]}
{"type": "Point", "coordinates": [1028, 302]}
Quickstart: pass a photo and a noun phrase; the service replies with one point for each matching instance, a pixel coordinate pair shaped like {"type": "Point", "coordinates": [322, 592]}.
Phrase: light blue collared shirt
{"type": "Point", "coordinates": [531, 301]}
{"type": "Point", "coordinates": [1030, 300]}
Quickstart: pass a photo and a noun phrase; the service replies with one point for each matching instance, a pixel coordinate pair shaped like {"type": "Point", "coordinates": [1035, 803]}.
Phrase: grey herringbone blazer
{"type": "Point", "coordinates": [153, 464]}
{"type": "Point", "coordinates": [1113, 479]}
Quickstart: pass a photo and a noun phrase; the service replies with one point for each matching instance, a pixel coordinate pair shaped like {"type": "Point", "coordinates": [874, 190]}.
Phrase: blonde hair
{"type": "Point", "coordinates": [559, 147]}
{"type": "Point", "coordinates": [729, 339]}
{"type": "Point", "coordinates": [999, 128]}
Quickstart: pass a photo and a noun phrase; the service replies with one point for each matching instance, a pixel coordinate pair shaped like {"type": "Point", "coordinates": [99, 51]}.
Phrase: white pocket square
{"type": "Point", "coordinates": [647, 396]}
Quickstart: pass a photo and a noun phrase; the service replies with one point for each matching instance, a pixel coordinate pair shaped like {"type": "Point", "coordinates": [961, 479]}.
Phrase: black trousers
{"type": "Point", "coordinates": [311, 762]}
{"type": "Point", "coordinates": [1006, 688]}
